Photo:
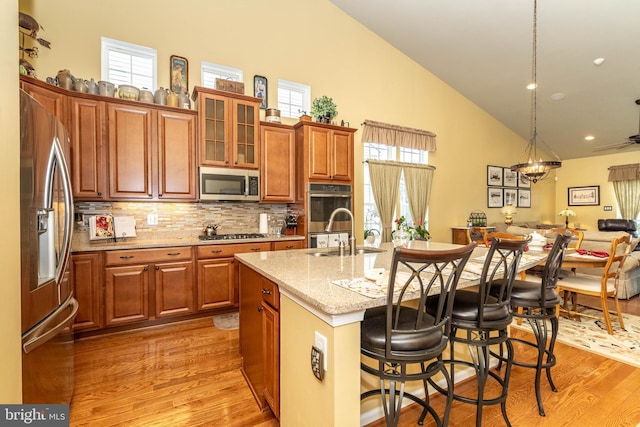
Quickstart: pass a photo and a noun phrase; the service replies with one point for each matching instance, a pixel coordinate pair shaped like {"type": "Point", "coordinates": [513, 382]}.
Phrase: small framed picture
{"type": "Point", "coordinates": [510, 178]}
{"type": "Point", "coordinates": [510, 196]}
{"type": "Point", "coordinates": [494, 176]}
{"type": "Point", "coordinates": [524, 198]}
{"type": "Point", "coordinates": [260, 90]}
{"type": "Point", "coordinates": [179, 74]}
{"type": "Point", "coordinates": [584, 196]}
{"type": "Point", "coordinates": [495, 197]}
{"type": "Point", "coordinates": [523, 181]}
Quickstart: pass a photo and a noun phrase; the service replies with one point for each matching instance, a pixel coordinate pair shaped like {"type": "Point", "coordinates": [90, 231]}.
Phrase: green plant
{"type": "Point", "coordinates": [370, 232]}
{"type": "Point", "coordinates": [323, 107]}
{"type": "Point", "coordinates": [421, 231]}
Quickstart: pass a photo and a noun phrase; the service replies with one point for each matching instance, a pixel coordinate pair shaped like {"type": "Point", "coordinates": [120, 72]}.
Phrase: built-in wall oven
{"type": "Point", "coordinates": [323, 199]}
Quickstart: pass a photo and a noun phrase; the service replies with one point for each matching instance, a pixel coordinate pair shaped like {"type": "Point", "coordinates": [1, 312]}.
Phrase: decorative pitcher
{"type": "Point", "coordinates": [160, 96]}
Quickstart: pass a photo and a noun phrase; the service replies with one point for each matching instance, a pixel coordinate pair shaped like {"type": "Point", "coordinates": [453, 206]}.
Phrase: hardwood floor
{"type": "Point", "coordinates": [188, 374]}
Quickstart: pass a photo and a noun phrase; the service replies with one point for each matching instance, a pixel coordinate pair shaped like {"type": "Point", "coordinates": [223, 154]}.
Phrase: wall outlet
{"type": "Point", "coordinates": [152, 219]}
{"type": "Point", "coordinates": [317, 357]}
{"type": "Point", "coordinates": [321, 344]}
{"type": "Point", "coordinates": [608, 208]}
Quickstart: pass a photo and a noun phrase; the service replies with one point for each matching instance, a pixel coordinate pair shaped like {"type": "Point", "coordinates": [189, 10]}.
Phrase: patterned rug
{"type": "Point", "coordinates": [227, 321]}
{"type": "Point", "coordinates": [591, 335]}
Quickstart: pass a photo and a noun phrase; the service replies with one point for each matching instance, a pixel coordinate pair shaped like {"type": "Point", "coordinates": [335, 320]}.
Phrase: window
{"type": "Point", "coordinates": [211, 72]}
{"type": "Point", "coordinates": [386, 152]}
{"type": "Point", "coordinates": [129, 64]}
{"type": "Point", "coordinates": [293, 98]}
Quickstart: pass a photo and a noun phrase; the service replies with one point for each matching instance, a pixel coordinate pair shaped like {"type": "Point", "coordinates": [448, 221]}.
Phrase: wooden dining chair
{"type": "Point", "coordinates": [576, 239]}
{"type": "Point", "coordinates": [477, 235]}
{"type": "Point", "coordinates": [604, 286]}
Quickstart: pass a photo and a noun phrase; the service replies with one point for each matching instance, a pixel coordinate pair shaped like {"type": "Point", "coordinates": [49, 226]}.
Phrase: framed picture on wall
{"type": "Point", "coordinates": [510, 196]}
{"type": "Point", "coordinates": [584, 196]}
{"type": "Point", "coordinates": [494, 197]}
{"type": "Point", "coordinates": [260, 89]}
{"type": "Point", "coordinates": [179, 74]}
{"type": "Point", "coordinates": [494, 176]}
{"type": "Point", "coordinates": [523, 181]}
{"type": "Point", "coordinates": [510, 178]}
{"type": "Point", "coordinates": [524, 198]}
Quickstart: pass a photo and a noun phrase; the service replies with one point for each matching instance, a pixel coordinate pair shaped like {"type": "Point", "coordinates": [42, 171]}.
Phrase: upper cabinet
{"type": "Point", "coordinates": [229, 128]}
{"type": "Point", "coordinates": [51, 97]}
{"type": "Point", "coordinates": [277, 163]}
{"type": "Point", "coordinates": [324, 152]}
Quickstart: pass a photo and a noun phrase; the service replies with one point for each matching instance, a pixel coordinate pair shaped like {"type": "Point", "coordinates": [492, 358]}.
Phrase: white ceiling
{"type": "Point", "coordinates": [483, 49]}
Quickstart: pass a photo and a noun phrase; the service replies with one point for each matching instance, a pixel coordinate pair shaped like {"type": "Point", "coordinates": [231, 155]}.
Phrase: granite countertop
{"type": "Point", "coordinates": [309, 278]}
{"type": "Point", "coordinates": [159, 239]}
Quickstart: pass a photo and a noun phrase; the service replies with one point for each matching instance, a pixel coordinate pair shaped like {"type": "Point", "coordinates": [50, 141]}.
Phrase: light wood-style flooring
{"type": "Point", "coordinates": [188, 374]}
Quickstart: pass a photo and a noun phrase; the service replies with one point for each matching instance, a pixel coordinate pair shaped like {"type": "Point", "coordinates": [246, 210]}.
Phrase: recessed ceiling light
{"type": "Point", "coordinates": [531, 86]}
{"type": "Point", "coordinates": [589, 137]}
{"type": "Point", "coordinates": [557, 96]}
{"type": "Point", "coordinates": [598, 61]}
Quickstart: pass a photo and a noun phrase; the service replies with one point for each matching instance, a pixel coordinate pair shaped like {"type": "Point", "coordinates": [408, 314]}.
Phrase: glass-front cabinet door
{"type": "Point", "coordinates": [214, 127]}
{"type": "Point", "coordinates": [246, 136]}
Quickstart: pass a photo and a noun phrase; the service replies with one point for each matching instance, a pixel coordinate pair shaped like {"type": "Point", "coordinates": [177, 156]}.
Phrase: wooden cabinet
{"type": "Point", "coordinates": [229, 128]}
{"type": "Point", "coordinates": [287, 245]}
{"type": "Point", "coordinates": [277, 163]}
{"type": "Point", "coordinates": [86, 274]}
{"type": "Point", "coordinates": [51, 97]}
{"type": "Point", "coordinates": [218, 273]}
{"type": "Point", "coordinates": [260, 337]}
{"type": "Point", "coordinates": [459, 234]}
{"type": "Point", "coordinates": [325, 151]}
{"type": "Point", "coordinates": [151, 153]}
{"type": "Point", "coordinates": [147, 284]}
{"type": "Point", "coordinates": [88, 149]}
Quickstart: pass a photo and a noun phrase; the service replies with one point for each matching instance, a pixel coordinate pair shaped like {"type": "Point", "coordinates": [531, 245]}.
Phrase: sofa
{"type": "Point", "coordinates": [600, 240]}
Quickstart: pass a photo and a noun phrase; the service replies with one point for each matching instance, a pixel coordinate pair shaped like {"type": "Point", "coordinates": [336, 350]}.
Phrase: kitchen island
{"type": "Point", "coordinates": [310, 302]}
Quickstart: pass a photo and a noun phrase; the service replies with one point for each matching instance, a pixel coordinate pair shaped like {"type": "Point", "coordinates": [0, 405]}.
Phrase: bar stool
{"type": "Point", "coordinates": [483, 319]}
{"type": "Point", "coordinates": [405, 342]}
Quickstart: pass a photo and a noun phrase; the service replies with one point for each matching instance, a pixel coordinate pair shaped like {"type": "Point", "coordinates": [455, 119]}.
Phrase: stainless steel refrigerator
{"type": "Point", "coordinates": [46, 226]}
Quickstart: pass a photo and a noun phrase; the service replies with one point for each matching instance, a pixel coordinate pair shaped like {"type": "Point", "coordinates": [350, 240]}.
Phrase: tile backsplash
{"type": "Point", "coordinates": [190, 217]}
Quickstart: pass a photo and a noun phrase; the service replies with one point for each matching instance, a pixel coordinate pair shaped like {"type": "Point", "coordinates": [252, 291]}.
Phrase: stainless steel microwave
{"type": "Point", "coordinates": [229, 184]}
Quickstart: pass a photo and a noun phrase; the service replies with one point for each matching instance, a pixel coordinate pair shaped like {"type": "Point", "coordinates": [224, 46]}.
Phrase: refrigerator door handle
{"type": "Point", "coordinates": [35, 339]}
{"type": "Point", "coordinates": [68, 210]}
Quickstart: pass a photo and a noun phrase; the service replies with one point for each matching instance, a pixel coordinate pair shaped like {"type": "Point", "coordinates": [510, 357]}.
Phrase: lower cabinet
{"type": "Point", "coordinates": [86, 273]}
{"type": "Point", "coordinates": [147, 284]}
{"type": "Point", "coordinates": [260, 337]}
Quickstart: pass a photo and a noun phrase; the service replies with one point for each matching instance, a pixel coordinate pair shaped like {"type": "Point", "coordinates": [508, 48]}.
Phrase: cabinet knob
{"type": "Point", "coordinates": [157, 268]}
{"type": "Point", "coordinates": [99, 194]}
{"type": "Point", "coordinates": [289, 246]}
{"type": "Point", "coordinates": [260, 309]}
{"type": "Point", "coordinates": [146, 269]}
{"type": "Point", "coordinates": [266, 291]}
{"type": "Point", "coordinates": [160, 195]}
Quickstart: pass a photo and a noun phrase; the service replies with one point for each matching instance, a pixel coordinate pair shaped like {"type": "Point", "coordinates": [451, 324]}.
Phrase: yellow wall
{"type": "Point", "coordinates": [591, 171]}
{"type": "Point", "coordinates": [10, 353]}
{"type": "Point", "coordinates": [312, 42]}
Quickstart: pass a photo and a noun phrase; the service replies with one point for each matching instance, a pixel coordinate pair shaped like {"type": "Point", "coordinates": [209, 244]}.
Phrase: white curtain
{"type": "Point", "coordinates": [385, 185]}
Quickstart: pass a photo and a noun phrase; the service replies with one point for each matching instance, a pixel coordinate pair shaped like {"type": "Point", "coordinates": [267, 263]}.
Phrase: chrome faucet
{"type": "Point", "coordinates": [352, 239]}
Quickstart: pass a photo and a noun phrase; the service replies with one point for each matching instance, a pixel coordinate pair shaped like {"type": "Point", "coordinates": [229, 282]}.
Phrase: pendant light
{"type": "Point", "coordinates": [535, 170]}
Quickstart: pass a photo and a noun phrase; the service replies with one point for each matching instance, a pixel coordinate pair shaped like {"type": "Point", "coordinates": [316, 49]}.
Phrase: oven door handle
{"type": "Point", "coordinates": [333, 195]}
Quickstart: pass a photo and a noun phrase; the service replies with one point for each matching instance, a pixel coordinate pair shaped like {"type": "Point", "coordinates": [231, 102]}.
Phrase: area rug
{"type": "Point", "coordinates": [591, 335]}
{"type": "Point", "coordinates": [227, 321]}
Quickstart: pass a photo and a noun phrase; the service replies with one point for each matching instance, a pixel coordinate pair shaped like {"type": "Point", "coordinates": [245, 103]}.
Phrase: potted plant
{"type": "Point", "coordinates": [421, 232]}
{"type": "Point", "coordinates": [323, 109]}
{"type": "Point", "coordinates": [370, 235]}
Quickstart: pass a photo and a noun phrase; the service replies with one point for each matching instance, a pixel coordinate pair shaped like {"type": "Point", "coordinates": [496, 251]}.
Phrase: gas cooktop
{"type": "Point", "coordinates": [235, 236]}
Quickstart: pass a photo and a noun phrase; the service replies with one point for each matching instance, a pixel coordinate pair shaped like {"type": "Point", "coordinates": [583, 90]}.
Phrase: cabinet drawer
{"type": "Point", "coordinates": [290, 244]}
{"type": "Point", "coordinates": [225, 251]}
{"type": "Point", "coordinates": [270, 293]}
{"type": "Point", "coordinates": [145, 256]}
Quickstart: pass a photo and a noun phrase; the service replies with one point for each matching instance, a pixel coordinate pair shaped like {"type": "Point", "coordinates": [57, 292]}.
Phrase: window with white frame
{"type": "Point", "coordinates": [211, 72]}
{"type": "Point", "coordinates": [293, 98]}
{"type": "Point", "coordinates": [385, 152]}
{"type": "Point", "coordinates": [129, 64]}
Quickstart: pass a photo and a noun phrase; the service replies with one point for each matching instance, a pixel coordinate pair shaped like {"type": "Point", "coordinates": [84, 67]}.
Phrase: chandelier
{"type": "Point", "coordinates": [535, 170]}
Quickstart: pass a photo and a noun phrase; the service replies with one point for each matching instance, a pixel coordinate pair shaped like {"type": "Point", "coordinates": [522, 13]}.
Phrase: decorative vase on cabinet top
{"type": "Point", "coordinates": [160, 97]}
{"type": "Point", "coordinates": [172, 99]}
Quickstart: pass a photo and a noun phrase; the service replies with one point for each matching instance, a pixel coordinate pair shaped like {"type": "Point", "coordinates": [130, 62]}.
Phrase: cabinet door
{"type": "Point", "coordinates": [245, 134]}
{"type": "Point", "coordinates": [287, 245]}
{"type": "Point", "coordinates": [277, 164]}
{"type": "Point", "coordinates": [88, 151]}
{"type": "Point", "coordinates": [271, 357]}
{"type": "Point", "coordinates": [215, 136]}
{"type": "Point", "coordinates": [130, 137]}
{"type": "Point", "coordinates": [85, 272]}
{"type": "Point", "coordinates": [174, 289]}
{"type": "Point", "coordinates": [216, 283]}
{"type": "Point", "coordinates": [126, 294]}
{"type": "Point", "coordinates": [176, 156]}
{"type": "Point", "coordinates": [319, 153]}
{"type": "Point", "coordinates": [342, 155]}
{"type": "Point", "coordinates": [55, 102]}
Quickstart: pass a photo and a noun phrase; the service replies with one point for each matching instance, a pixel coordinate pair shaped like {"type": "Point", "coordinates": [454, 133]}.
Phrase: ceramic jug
{"type": "Point", "coordinates": [92, 86]}
{"type": "Point", "coordinates": [65, 79]}
{"type": "Point", "coordinates": [145, 96]}
{"type": "Point", "coordinates": [172, 99]}
{"type": "Point", "coordinates": [160, 97]}
{"type": "Point", "coordinates": [106, 88]}
{"type": "Point", "coordinates": [183, 99]}
{"type": "Point", "coordinates": [81, 86]}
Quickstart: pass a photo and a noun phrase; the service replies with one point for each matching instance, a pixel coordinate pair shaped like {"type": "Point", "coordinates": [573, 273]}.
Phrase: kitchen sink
{"type": "Point", "coordinates": [359, 251]}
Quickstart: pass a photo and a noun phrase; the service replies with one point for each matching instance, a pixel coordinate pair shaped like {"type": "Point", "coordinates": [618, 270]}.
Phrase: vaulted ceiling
{"type": "Point", "coordinates": [483, 49]}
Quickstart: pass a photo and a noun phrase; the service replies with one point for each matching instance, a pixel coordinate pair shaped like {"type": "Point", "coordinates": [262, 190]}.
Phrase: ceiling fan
{"type": "Point", "coordinates": [632, 140]}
